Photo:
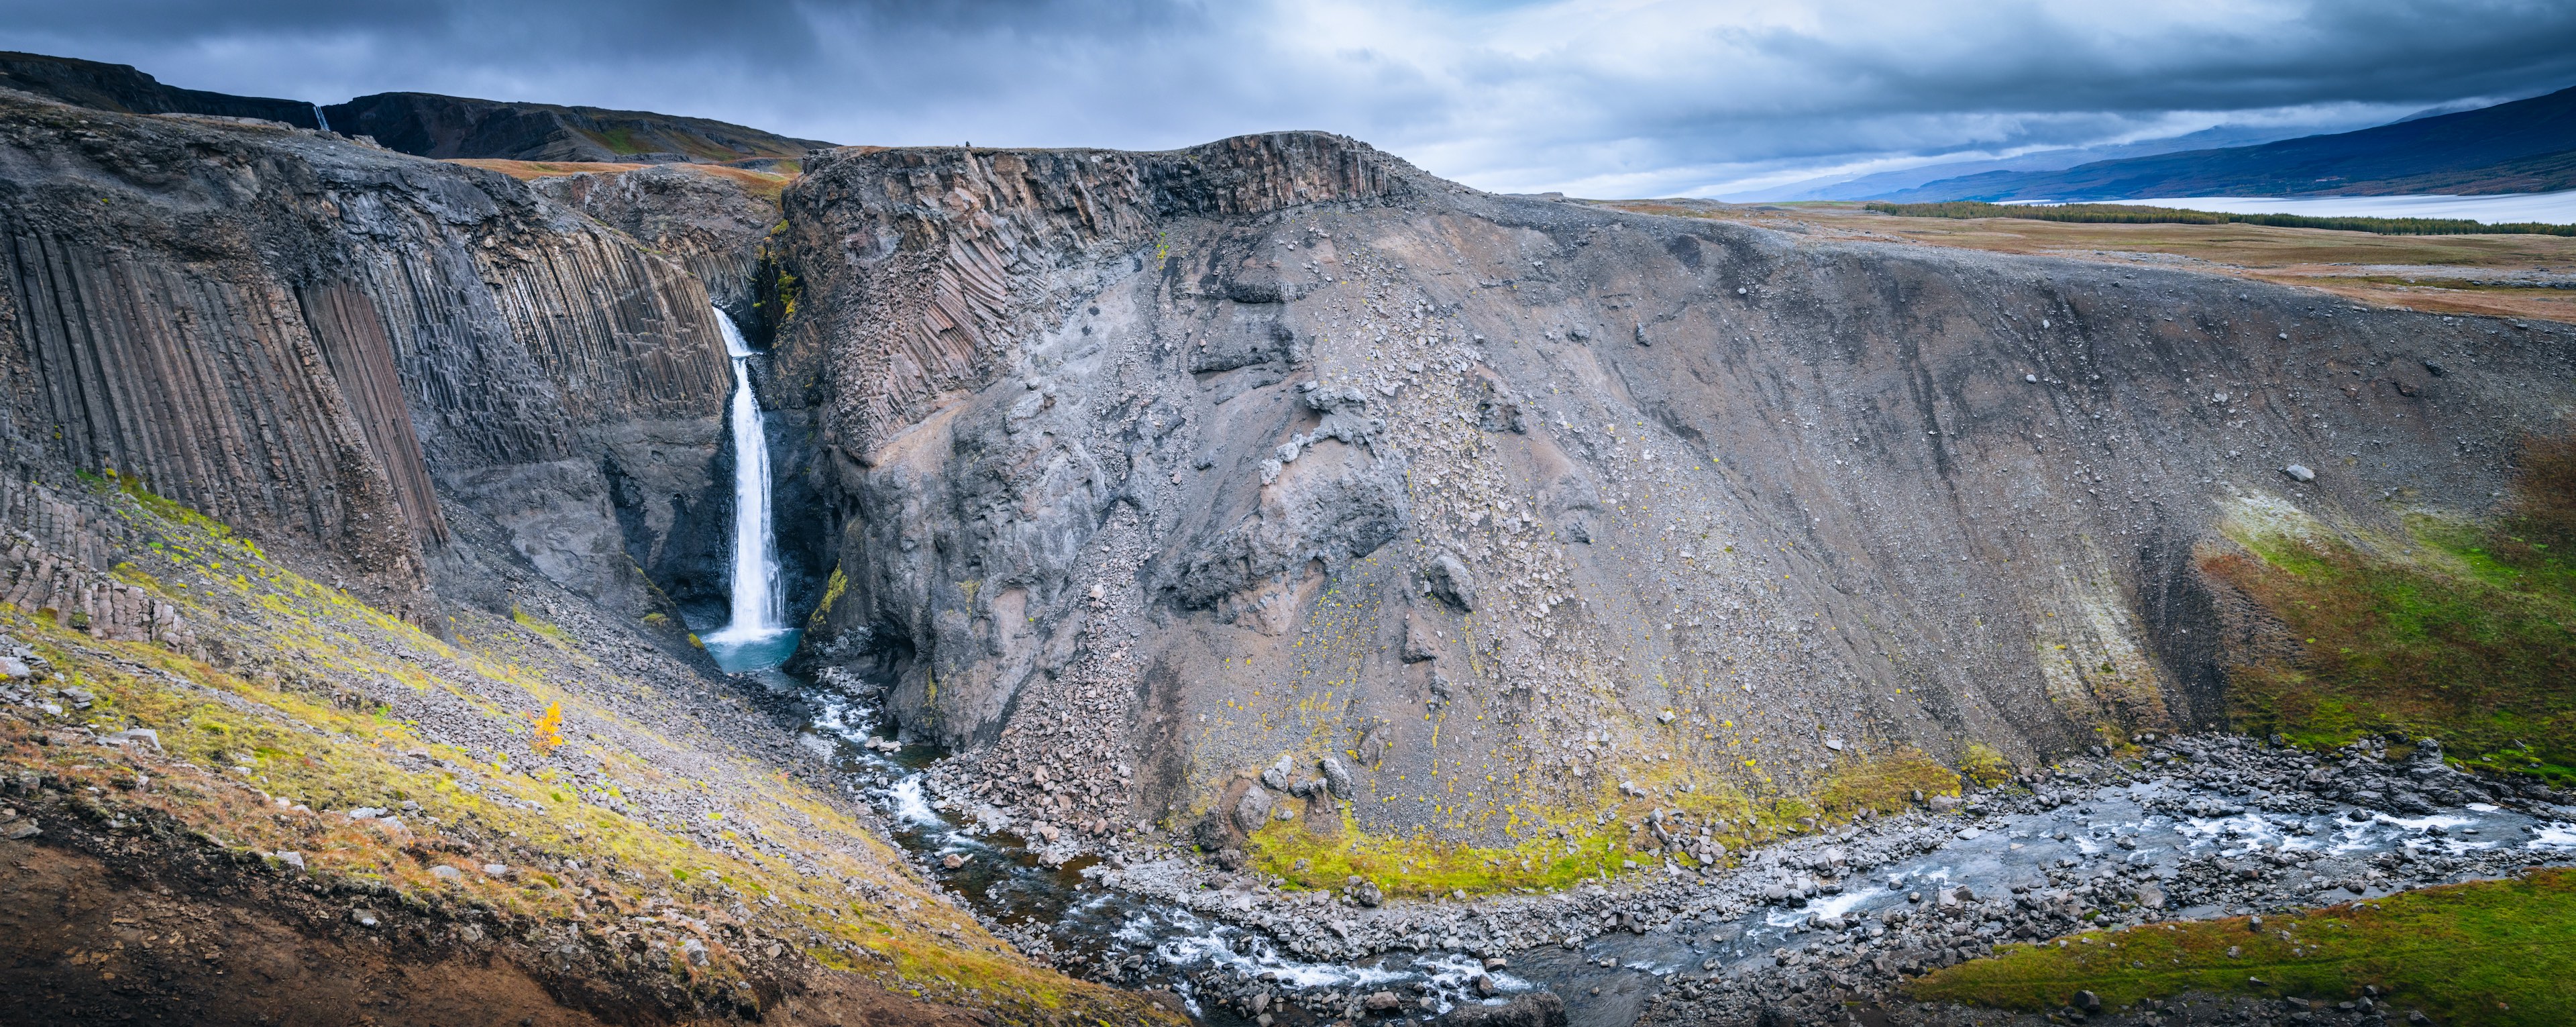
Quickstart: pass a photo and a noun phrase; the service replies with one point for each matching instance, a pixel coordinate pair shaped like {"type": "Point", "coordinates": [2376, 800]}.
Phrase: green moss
{"type": "Point", "coordinates": [1555, 848]}
{"type": "Point", "coordinates": [2462, 632]}
{"type": "Point", "coordinates": [2489, 952]}
{"type": "Point", "coordinates": [1886, 785]}
{"type": "Point", "coordinates": [832, 590]}
{"type": "Point", "coordinates": [540, 627]}
{"type": "Point", "coordinates": [1983, 765]}
{"type": "Point", "coordinates": [331, 750]}
{"type": "Point", "coordinates": [1422, 864]}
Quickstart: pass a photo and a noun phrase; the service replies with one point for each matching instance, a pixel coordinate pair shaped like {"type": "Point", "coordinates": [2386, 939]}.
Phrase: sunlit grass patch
{"type": "Point", "coordinates": [2489, 952]}
{"type": "Point", "coordinates": [1558, 848]}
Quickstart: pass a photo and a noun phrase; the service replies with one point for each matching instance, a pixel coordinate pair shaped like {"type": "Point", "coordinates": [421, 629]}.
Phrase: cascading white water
{"type": "Point", "coordinates": [320, 118]}
{"type": "Point", "coordinates": [758, 612]}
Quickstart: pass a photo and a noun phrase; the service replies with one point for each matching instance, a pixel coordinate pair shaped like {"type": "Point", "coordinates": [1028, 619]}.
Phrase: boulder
{"type": "Point", "coordinates": [1252, 809]}
{"type": "Point", "coordinates": [1336, 777]}
{"type": "Point", "coordinates": [1451, 582]}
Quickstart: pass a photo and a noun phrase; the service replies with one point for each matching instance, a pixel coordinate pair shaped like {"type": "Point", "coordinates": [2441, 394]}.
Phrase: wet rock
{"type": "Point", "coordinates": [1533, 1009]}
{"type": "Point", "coordinates": [1382, 1003]}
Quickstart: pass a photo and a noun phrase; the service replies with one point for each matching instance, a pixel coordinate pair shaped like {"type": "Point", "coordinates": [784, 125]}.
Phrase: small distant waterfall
{"type": "Point", "coordinates": [319, 119]}
{"type": "Point", "coordinates": [758, 611]}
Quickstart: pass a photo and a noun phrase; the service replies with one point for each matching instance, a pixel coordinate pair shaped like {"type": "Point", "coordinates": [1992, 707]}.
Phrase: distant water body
{"type": "Point", "coordinates": [2546, 208]}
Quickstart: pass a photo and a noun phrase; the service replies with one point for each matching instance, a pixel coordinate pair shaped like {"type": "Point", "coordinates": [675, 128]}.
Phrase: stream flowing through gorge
{"type": "Point", "coordinates": [1167, 922]}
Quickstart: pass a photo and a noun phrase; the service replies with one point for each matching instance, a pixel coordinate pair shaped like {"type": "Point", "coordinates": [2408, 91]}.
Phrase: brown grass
{"type": "Point", "coordinates": [764, 184]}
{"type": "Point", "coordinates": [2332, 261]}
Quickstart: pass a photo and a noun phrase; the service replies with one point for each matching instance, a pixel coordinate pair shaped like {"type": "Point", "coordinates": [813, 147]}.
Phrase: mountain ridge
{"type": "Point", "coordinates": [127, 89]}
{"type": "Point", "coordinates": [449, 127]}
{"type": "Point", "coordinates": [2522, 146]}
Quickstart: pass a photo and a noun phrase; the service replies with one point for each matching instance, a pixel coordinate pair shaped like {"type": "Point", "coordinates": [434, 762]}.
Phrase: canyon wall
{"type": "Point", "coordinates": [1151, 470]}
{"type": "Point", "coordinates": [255, 373]}
{"type": "Point", "coordinates": [338, 350]}
{"type": "Point", "coordinates": [711, 223]}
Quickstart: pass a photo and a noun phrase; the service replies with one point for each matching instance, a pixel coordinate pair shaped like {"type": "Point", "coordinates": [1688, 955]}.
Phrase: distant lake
{"type": "Point", "coordinates": [2547, 208]}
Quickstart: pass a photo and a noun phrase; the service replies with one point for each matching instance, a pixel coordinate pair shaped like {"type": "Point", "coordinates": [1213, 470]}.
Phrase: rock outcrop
{"type": "Point", "coordinates": [119, 87]}
{"type": "Point", "coordinates": [1168, 464]}
{"type": "Point", "coordinates": [712, 219]}
{"type": "Point", "coordinates": [431, 125]}
{"type": "Point", "coordinates": [253, 372]}
{"type": "Point", "coordinates": [336, 348]}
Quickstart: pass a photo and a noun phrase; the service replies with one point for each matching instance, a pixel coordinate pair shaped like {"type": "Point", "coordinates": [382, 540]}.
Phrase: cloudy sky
{"type": "Point", "coordinates": [1593, 97]}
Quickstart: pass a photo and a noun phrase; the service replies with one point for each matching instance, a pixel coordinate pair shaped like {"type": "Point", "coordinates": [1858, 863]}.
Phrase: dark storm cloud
{"type": "Point", "coordinates": [1606, 98]}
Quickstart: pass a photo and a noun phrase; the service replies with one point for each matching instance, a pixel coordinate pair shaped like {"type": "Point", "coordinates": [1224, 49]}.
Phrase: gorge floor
{"type": "Point", "coordinates": [1828, 928]}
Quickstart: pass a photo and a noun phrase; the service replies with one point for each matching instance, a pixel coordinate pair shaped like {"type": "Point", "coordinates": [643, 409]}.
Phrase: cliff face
{"type": "Point", "coordinates": [340, 349]}
{"type": "Point", "coordinates": [467, 404]}
{"type": "Point", "coordinates": [1161, 467]}
{"type": "Point", "coordinates": [119, 87]}
{"type": "Point", "coordinates": [430, 125]}
{"type": "Point", "coordinates": [712, 221]}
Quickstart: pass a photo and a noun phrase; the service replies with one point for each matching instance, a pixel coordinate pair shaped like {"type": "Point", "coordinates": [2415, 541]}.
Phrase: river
{"type": "Point", "coordinates": [1802, 894]}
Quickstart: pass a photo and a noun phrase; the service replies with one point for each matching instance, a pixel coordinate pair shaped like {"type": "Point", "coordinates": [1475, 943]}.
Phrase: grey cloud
{"type": "Point", "coordinates": [1602, 98]}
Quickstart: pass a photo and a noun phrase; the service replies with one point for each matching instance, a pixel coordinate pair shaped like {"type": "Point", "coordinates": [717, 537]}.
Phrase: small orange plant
{"type": "Point", "coordinates": [549, 730]}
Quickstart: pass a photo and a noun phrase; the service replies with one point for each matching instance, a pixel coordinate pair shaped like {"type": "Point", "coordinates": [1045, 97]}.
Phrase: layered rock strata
{"type": "Point", "coordinates": [1150, 471]}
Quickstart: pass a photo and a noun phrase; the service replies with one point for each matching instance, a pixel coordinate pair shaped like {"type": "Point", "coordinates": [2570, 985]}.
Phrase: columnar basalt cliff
{"type": "Point", "coordinates": [1176, 466]}
{"type": "Point", "coordinates": [714, 224]}
{"type": "Point", "coordinates": [317, 342]}
{"type": "Point", "coordinates": [334, 476]}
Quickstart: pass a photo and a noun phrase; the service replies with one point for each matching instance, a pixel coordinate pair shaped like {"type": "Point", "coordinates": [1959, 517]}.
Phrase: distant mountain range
{"type": "Point", "coordinates": [425, 124]}
{"type": "Point", "coordinates": [2525, 146]}
{"type": "Point", "coordinates": [1884, 183]}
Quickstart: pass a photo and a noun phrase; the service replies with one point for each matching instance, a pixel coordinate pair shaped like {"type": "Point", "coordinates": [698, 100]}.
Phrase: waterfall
{"type": "Point", "coordinates": [757, 609]}
{"type": "Point", "coordinates": [319, 119]}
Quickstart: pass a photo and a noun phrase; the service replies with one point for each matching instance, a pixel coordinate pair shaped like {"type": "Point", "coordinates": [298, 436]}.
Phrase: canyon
{"type": "Point", "coordinates": [1266, 528]}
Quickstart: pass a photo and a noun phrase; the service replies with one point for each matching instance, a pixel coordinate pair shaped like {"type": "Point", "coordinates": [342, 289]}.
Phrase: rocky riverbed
{"type": "Point", "coordinates": [1803, 930]}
